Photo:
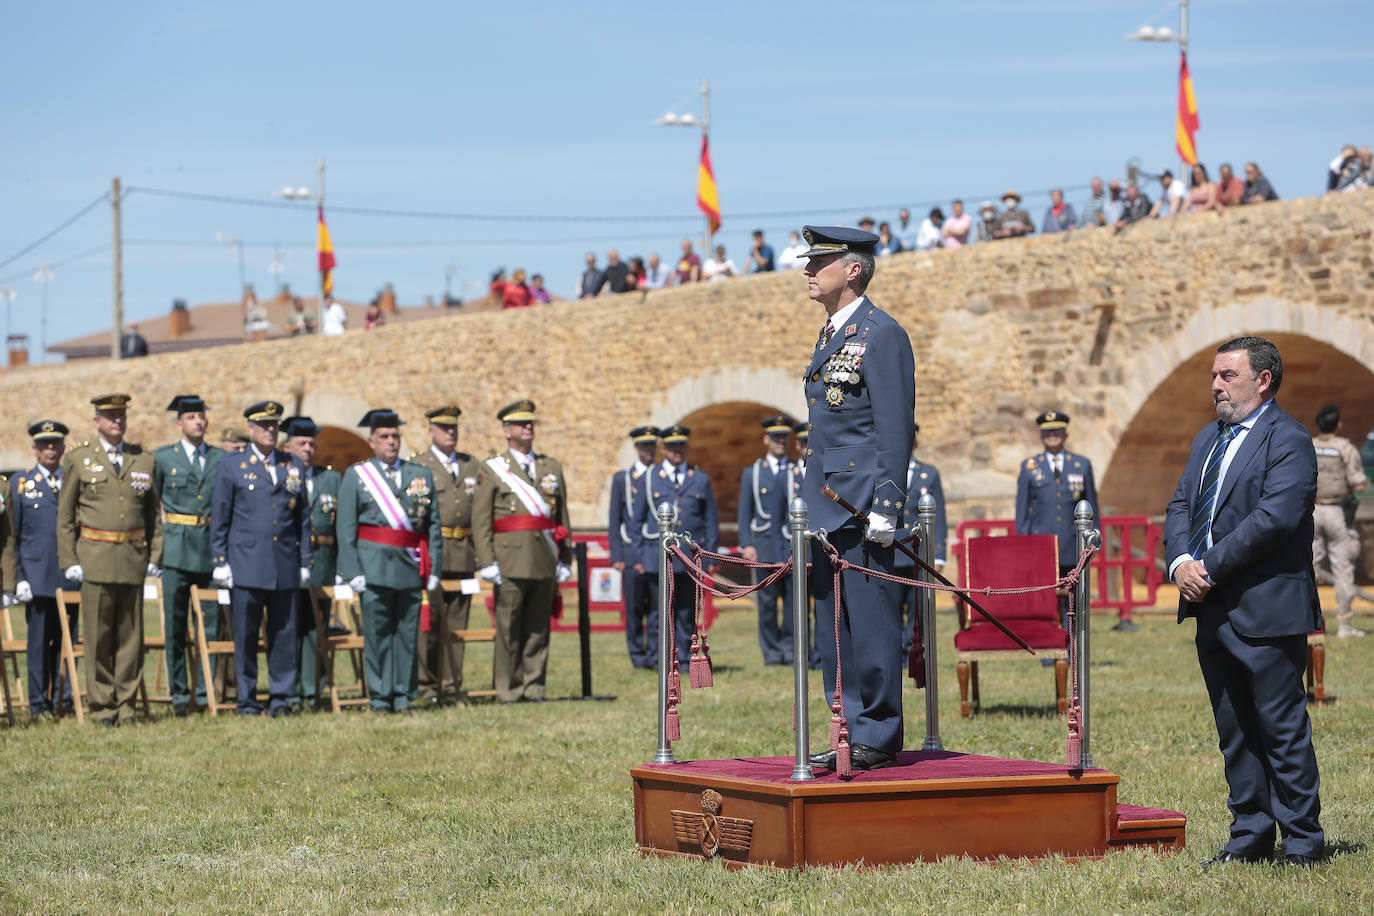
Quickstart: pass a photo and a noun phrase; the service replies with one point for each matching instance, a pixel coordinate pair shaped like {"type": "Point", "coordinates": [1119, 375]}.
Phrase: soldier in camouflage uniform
{"type": "Point", "coordinates": [1339, 477]}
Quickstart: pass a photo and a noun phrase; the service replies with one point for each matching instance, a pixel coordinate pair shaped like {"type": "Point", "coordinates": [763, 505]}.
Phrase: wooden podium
{"type": "Point", "coordinates": [748, 811]}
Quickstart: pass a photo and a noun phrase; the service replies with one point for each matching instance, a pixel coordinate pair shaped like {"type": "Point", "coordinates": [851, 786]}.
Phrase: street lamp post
{"type": "Point", "coordinates": [290, 193]}
{"type": "Point", "coordinates": [671, 119]}
{"type": "Point", "coordinates": [8, 295]}
{"type": "Point", "coordinates": [43, 275]}
{"type": "Point", "coordinates": [1148, 32]}
{"type": "Point", "coordinates": [235, 240]}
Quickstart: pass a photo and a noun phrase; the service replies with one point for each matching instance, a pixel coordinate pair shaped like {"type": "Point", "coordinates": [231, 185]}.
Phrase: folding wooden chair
{"type": "Point", "coordinates": [152, 599]}
{"type": "Point", "coordinates": [10, 650]}
{"type": "Point", "coordinates": [344, 605]}
{"type": "Point", "coordinates": [204, 648]}
{"type": "Point", "coordinates": [1008, 562]}
{"type": "Point", "coordinates": [469, 635]}
{"type": "Point", "coordinates": [71, 648]}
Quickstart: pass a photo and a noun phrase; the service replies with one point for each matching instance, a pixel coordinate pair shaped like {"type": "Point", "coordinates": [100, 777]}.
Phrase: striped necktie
{"type": "Point", "coordinates": [1200, 528]}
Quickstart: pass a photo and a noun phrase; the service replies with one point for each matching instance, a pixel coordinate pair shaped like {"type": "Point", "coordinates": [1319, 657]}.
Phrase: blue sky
{"type": "Point", "coordinates": [544, 109]}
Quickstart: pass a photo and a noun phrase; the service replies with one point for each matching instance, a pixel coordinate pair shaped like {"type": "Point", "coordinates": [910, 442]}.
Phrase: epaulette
{"type": "Point", "coordinates": [411, 456]}
{"type": "Point", "coordinates": [133, 448]}
{"type": "Point", "coordinates": [163, 448]}
{"type": "Point", "coordinates": [462, 456]}
{"type": "Point", "coordinates": [327, 467]}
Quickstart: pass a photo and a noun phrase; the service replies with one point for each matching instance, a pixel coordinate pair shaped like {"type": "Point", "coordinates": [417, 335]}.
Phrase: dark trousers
{"type": "Point", "coordinates": [641, 619]}
{"type": "Point", "coordinates": [684, 611]}
{"type": "Point", "coordinates": [307, 646]}
{"type": "Point", "coordinates": [113, 625]}
{"type": "Point", "coordinates": [249, 604]}
{"type": "Point", "coordinates": [440, 674]}
{"type": "Point", "coordinates": [910, 608]}
{"type": "Point", "coordinates": [870, 640]}
{"type": "Point", "coordinates": [520, 659]}
{"type": "Point", "coordinates": [176, 605]}
{"type": "Point", "coordinates": [391, 618]}
{"type": "Point", "coordinates": [1260, 707]}
{"type": "Point", "coordinates": [775, 635]}
{"type": "Point", "coordinates": [49, 688]}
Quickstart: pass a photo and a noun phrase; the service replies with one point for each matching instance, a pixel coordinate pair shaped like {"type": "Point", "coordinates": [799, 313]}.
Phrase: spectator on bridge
{"type": "Point", "coordinates": [637, 272]}
{"type": "Point", "coordinates": [515, 294]}
{"type": "Point", "coordinates": [1092, 217]}
{"type": "Point", "coordinates": [987, 221]}
{"type": "Point", "coordinates": [760, 255]}
{"type": "Point", "coordinates": [928, 236]}
{"type": "Point", "coordinates": [374, 317]}
{"type": "Point", "coordinates": [1113, 206]}
{"type": "Point", "coordinates": [656, 274]}
{"type": "Point", "coordinates": [719, 267]}
{"type": "Point", "coordinates": [791, 257]}
{"type": "Point", "coordinates": [688, 266]}
{"type": "Point", "coordinates": [592, 279]}
{"type": "Point", "coordinates": [539, 295]}
{"type": "Point", "coordinates": [1135, 208]}
{"type": "Point", "coordinates": [132, 344]}
{"type": "Point", "coordinates": [1013, 222]}
{"type": "Point", "coordinates": [1257, 187]}
{"type": "Point", "coordinates": [1059, 216]}
{"type": "Point", "coordinates": [336, 318]}
{"type": "Point", "coordinates": [906, 232]}
{"type": "Point", "coordinates": [887, 242]}
{"type": "Point", "coordinates": [1170, 201]}
{"type": "Point", "coordinates": [866, 223]}
{"type": "Point", "coordinates": [1366, 158]}
{"type": "Point", "coordinates": [1202, 192]}
{"type": "Point", "coordinates": [617, 274]}
{"type": "Point", "coordinates": [955, 230]}
{"type": "Point", "coordinates": [1230, 189]}
{"type": "Point", "coordinates": [298, 322]}
{"type": "Point", "coordinates": [1344, 172]}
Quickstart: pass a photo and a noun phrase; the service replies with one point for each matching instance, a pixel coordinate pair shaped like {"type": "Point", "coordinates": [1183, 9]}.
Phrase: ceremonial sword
{"type": "Point", "coordinates": [848, 507]}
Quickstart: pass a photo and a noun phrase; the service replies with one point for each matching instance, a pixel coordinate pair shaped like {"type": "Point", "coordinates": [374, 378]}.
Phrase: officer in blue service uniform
{"type": "Point", "coordinates": [628, 489]}
{"type": "Point", "coordinates": [260, 544]}
{"type": "Point", "coordinates": [765, 489]}
{"type": "Point", "coordinates": [33, 506]}
{"type": "Point", "coordinates": [1049, 487]}
{"type": "Point", "coordinates": [687, 488]}
{"type": "Point", "coordinates": [861, 393]}
{"type": "Point", "coordinates": [185, 476]}
{"type": "Point", "coordinates": [921, 478]}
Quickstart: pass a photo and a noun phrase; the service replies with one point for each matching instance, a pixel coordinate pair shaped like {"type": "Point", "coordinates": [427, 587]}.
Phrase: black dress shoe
{"type": "Point", "coordinates": [181, 710]}
{"type": "Point", "coordinates": [1226, 857]}
{"type": "Point", "coordinates": [1126, 626]}
{"type": "Point", "coordinates": [280, 712]}
{"type": "Point", "coordinates": [825, 760]}
{"type": "Point", "coordinates": [1294, 860]}
{"type": "Point", "coordinates": [863, 757]}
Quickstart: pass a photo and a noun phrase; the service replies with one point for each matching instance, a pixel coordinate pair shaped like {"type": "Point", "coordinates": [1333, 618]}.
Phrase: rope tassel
{"type": "Point", "coordinates": [916, 657]}
{"type": "Point", "coordinates": [673, 724]}
{"type": "Point", "coordinates": [699, 672]}
{"type": "Point", "coordinates": [1073, 745]}
{"type": "Point", "coordinates": [842, 766]}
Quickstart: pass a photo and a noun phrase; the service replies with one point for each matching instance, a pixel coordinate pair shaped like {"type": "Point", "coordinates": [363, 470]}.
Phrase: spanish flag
{"type": "Point", "coordinates": [1187, 124]}
{"type": "Point", "coordinates": [326, 248]}
{"type": "Point", "coordinates": [706, 188]}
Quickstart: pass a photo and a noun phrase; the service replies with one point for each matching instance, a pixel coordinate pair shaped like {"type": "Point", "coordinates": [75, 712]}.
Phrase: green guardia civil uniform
{"type": "Point", "coordinates": [391, 601]}
{"type": "Point", "coordinates": [109, 524]}
{"type": "Point", "coordinates": [323, 484]}
{"type": "Point", "coordinates": [186, 486]}
{"type": "Point", "coordinates": [455, 482]}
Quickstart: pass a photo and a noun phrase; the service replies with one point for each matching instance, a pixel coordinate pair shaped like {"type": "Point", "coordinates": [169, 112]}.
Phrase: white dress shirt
{"type": "Point", "coordinates": [269, 466]}
{"type": "Point", "coordinates": [837, 320]}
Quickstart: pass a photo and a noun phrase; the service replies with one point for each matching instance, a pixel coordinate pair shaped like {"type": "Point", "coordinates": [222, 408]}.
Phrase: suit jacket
{"type": "Point", "coordinates": [520, 554]}
{"type": "Point", "coordinates": [259, 528]}
{"type": "Point", "coordinates": [1045, 505]}
{"type": "Point", "coordinates": [324, 507]}
{"type": "Point", "coordinates": [455, 508]}
{"type": "Point", "coordinates": [625, 508]}
{"type": "Point", "coordinates": [190, 492]}
{"type": "Point", "coordinates": [33, 510]}
{"type": "Point", "coordinates": [925, 479]}
{"type": "Point", "coordinates": [1260, 560]}
{"type": "Point", "coordinates": [763, 505]}
{"type": "Point", "coordinates": [696, 513]}
{"type": "Point", "coordinates": [381, 564]}
{"type": "Point", "coordinates": [94, 496]}
{"type": "Point", "coordinates": [861, 431]}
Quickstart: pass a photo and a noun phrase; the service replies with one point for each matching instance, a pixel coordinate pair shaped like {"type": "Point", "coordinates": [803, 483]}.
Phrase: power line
{"type": "Point", "coordinates": [71, 219]}
{"type": "Point", "coordinates": [53, 265]}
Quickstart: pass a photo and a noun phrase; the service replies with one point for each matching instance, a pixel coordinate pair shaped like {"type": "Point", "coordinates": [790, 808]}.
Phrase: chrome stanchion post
{"type": "Point", "coordinates": [1087, 536]}
{"type": "Point", "coordinates": [925, 604]}
{"type": "Point", "coordinates": [801, 643]}
{"type": "Point", "coordinates": [664, 754]}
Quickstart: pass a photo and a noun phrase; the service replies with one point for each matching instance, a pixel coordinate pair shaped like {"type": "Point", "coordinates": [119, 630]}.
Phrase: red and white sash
{"type": "Point", "coordinates": [387, 501]}
{"type": "Point", "coordinates": [529, 497]}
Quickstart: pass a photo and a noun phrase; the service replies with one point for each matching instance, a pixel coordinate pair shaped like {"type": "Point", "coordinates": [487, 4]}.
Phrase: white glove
{"type": "Point", "coordinates": [7, 599]}
{"type": "Point", "coordinates": [358, 584]}
{"type": "Point", "coordinates": [880, 528]}
{"type": "Point", "coordinates": [74, 573]}
{"type": "Point", "coordinates": [23, 592]}
{"type": "Point", "coordinates": [305, 577]}
{"type": "Point", "coordinates": [154, 571]}
{"type": "Point", "coordinates": [338, 579]}
{"type": "Point", "coordinates": [223, 576]}
{"type": "Point", "coordinates": [564, 572]}
{"type": "Point", "coordinates": [491, 573]}
{"type": "Point", "coordinates": [432, 583]}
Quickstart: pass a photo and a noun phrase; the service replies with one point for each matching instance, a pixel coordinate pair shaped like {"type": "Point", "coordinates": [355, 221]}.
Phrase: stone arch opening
{"type": "Point", "coordinates": [338, 448]}
{"type": "Point", "coordinates": [1152, 449]}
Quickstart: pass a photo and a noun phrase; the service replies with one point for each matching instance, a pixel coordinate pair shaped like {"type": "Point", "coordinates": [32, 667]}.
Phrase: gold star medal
{"type": "Point", "coordinates": [834, 396]}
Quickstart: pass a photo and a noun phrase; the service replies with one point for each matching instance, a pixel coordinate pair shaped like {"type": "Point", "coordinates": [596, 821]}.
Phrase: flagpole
{"type": "Point", "coordinates": [1183, 49]}
{"type": "Point", "coordinates": [319, 190]}
{"type": "Point", "coordinates": [705, 131]}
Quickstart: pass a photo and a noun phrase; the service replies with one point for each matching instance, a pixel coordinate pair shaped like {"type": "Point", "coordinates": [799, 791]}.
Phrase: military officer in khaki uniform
{"type": "Point", "coordinates": [455, 482]}
{"type": "Point", "coordinates": [109, 538]}
{"type": "Point", "coordinates": [1340, 476]}
{"type": "Point", "coordinates": [520, 533]}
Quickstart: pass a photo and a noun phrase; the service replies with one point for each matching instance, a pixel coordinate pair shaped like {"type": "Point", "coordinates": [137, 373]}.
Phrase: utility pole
{"type": "Point", "coordinates": [117, 246]}
{"type": "Point", "coordinates": [43, 274]}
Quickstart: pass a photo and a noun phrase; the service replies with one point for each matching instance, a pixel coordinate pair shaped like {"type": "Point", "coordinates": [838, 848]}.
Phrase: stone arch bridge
{"type": "Point", "coordinates": [1116, 330]}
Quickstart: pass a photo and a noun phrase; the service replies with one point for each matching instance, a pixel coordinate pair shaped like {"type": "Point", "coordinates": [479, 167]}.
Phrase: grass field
{"type": "Point", "coordinates": [528, 808]}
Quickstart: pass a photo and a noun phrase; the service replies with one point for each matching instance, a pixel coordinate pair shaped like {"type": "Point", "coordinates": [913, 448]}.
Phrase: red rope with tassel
{"type": "Point", "coordinates": [672, 721]}
{"type": "Point", "coordinates": [839, 727]}
{"type": "Point", "coordinates": [699, 672]}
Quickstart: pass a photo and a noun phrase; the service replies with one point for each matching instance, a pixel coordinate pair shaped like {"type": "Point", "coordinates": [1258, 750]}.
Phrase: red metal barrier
{"type": "Point", "coordinates": [1125, 572]}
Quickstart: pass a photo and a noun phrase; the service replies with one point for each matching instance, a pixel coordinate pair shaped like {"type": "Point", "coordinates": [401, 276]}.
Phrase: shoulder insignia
{"type": "Point", "coordinates": [662, 473]}
{"type": "Point", "coordinates": [85, 442]}
{"type": "Point", "coordinates": [1030, 464]}
{"type": "Point", "coordinates": [329, 467]}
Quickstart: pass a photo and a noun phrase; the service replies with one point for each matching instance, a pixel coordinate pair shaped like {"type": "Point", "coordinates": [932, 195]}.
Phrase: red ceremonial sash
{"type": "Point", "coordinates": [529, 523]}
{"type": "Point", "coordinates": [397, 537]}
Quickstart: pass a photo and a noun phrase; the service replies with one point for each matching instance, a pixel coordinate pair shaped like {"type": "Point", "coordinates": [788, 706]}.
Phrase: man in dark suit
{"type": "Point", "coordinates": [921, 478]}
{"type": "Point", "coordinates": [260, 546]}
{"type": "Point", "coordinates": [33, 506]}
{"type": "Point", "coordinates": [688, 489]}
{"type": "Point", "coordinates": [629, 490]}
{"type": "Point", "coordinates": [1239, 535]}
{"type": "Point", "coordinates": [766, 535]}
{"type": "Point", "coordinates": [861, 391]}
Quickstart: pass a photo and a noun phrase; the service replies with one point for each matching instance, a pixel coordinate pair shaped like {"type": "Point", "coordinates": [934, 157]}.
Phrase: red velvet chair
{"type": "Point", "coordinates": [1009, 562]}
